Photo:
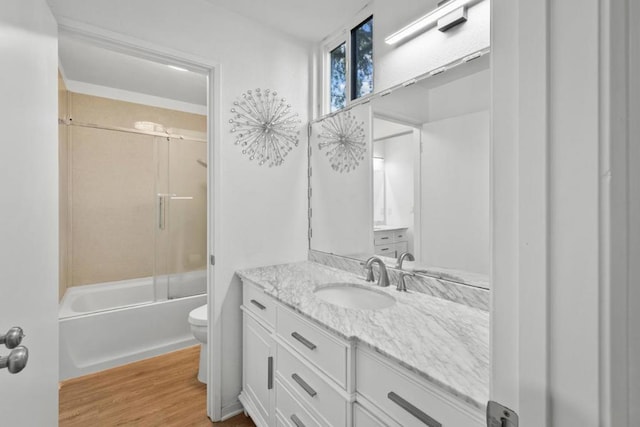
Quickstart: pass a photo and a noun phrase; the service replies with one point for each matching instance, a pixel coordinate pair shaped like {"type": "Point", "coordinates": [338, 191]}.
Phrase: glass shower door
{"type": "Point", "coordinates": [181, 239]}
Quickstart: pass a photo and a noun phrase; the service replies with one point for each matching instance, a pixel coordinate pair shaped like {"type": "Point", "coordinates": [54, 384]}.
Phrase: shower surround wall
{"type": "Point", "coordinates": [109, 182]}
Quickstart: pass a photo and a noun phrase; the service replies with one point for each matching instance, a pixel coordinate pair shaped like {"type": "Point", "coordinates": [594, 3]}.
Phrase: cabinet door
{"type": "Point", "coordinates": [258, 370]}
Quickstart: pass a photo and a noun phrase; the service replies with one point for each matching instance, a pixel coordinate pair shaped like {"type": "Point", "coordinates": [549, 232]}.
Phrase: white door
{"type": "Point", "coordinates": [258, 352]}
{"type": "Point", "coordinates": [558, 165]}
{"type": "Point", "coordinates": [29, 209]}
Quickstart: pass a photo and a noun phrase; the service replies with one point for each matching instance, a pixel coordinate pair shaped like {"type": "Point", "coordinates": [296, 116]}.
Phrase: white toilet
{"type": "Point", "coordinates": [198, 322]}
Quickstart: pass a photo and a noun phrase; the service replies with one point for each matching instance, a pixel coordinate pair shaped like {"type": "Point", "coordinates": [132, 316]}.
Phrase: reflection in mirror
{"type": "Point", "coordinates": [341, 201]}
{"type": "Point", "coordinates": [424, 184]}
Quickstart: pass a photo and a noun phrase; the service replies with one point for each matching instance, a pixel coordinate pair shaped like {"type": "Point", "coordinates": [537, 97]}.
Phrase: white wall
{"type": "Point", "coordinates": [429, 50]}
{"type": "Point", "coordinates": [633, 333]}
{"type": "Point", "coordinates": [262, 211]}
{"type": "Point", "coordinates": [455, 193]}
{"type": "Point", "coordinates": [465, 95]}
{"type": "Point", "coordinates": [29, 206]}
{"type": "Point", "coordinates": [400, 156]}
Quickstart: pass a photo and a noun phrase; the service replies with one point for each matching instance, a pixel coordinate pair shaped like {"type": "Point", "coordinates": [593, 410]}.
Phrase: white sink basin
{"type": "Point", "coordinates": [350, 295]}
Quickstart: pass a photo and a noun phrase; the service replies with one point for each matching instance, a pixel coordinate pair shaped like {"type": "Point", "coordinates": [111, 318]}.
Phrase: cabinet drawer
{"type": "Point", "coordinates": [255, 300]}
{"type": "Point", "coordinates": [382, 237]}
{"type": "Point", "coordinates": [321, 349]}
{"type": "Point", "coordinates": [407, 402]}
{"type": "Point", "coordinates": [386, 250]}
{"type": "Point", "coordinates": [400, 236]}
{"type": "Point", "coordinates": [401, 247]}
{"type": "Point", "coordinates": [310, 388]}
{"type": "Point", "coordinates": [363, 418]}
{"type": "Point", "coordinates": [290, 411]}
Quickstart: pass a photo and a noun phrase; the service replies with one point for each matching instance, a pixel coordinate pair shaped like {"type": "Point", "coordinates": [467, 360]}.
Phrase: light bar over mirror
{"type": "Point", "coordinates": [430, 19]}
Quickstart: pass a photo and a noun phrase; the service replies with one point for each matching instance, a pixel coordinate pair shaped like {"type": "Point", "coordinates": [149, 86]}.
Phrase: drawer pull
{"type": "Point", "coordinates": [270, 373]}
{"type": "Point", "coordinates": [384, 238]}
{"type": "Point", "coordinates": [304, 341]}
{"type": "Point", "coordinates": [297, 421]}
{"type": "Point", "coordinates": [257, 304]}
{"type": "Point", "coordinates": [384, 249]}
{"type": "Point", "coordinates": [302, 383]}
{"type": "Point", "coordinates": [426, 419]}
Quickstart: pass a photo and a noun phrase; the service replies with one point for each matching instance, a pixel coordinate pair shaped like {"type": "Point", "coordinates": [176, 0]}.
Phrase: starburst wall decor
{"type": "Point", "coordinates": [265, 127]}
{"type": "Point", "coordinates": [344, 140]}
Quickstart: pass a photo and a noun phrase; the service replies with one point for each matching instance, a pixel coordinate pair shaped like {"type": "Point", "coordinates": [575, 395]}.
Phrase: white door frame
{"type": "Point", "coordinates": [560, 68]}
{"type": "Point", "coordinates": [145, 50]}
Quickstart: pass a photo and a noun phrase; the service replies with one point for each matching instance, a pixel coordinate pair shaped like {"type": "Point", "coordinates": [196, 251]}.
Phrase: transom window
{"type": "Point", "coordinates": [350, 66]}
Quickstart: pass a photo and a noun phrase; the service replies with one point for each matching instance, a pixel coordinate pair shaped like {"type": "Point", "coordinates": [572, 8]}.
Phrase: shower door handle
{"type": "Point", "coordinates": [162, 209]}
{"type": "Point", "coordinates": [161, 213]}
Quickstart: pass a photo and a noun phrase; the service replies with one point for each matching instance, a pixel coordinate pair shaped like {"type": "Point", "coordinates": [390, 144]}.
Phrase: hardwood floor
{"type": "Point", "coordinates": [162, 391]}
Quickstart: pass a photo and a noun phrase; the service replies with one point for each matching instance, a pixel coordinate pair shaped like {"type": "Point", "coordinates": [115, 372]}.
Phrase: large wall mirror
{"type": "Point", "coordinates": [409, 171]}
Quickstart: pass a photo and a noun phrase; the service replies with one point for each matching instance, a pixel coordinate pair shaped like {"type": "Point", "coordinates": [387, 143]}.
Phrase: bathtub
{"type": "Point", "coordinates": [111, 324]}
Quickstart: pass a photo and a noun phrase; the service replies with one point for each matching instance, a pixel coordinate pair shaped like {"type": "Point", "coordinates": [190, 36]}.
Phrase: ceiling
{"type": "Point", "coordinates": [84, 65]}
{"type": "Point", "coordinates": [437, 97]}
{"type": "Point", "coordinates": [87, 64]}
{"type": "Point", "coordinates": [310, 20]}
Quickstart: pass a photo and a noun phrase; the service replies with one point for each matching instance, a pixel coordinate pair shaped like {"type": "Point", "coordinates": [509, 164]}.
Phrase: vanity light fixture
{"type": "Point", "coordinates": [431, 18]}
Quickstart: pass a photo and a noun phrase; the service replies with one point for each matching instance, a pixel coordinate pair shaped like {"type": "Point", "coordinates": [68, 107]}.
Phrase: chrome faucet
{"type": "Point", "coordinates": [383, 279]}
{"type": "Point", "coordinates": [402, 257]}
{"type": "Point", "coordinates": [402, 284]}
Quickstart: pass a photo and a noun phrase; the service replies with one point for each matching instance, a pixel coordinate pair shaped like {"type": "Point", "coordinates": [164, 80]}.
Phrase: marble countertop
{"type": "Point", "coordinates": [444, 342]}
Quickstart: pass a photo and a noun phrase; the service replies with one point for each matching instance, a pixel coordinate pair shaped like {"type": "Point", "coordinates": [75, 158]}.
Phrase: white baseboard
{"type": "Point", "coordinates": [232, 410]}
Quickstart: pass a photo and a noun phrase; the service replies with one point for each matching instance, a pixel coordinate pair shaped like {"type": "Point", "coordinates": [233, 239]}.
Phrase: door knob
{"type": "Point", "coordinates": [16, 360]}
{"type": "Point", "coordinates": [13, 337]}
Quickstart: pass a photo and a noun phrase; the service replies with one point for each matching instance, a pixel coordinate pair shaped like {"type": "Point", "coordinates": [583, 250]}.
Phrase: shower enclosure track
{"type": "Point", "coordinates": [69, 122]}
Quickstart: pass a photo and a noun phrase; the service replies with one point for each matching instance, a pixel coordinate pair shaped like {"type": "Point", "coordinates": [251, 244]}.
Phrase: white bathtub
{"type": "Point", "coordinates": [111, 324]}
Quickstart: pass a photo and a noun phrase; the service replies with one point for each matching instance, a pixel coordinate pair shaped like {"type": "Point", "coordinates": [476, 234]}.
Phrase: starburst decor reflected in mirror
{"type": "Point", "coordinates": [265, 127]}
{"type": "Point", "coordinates": [344, 141]}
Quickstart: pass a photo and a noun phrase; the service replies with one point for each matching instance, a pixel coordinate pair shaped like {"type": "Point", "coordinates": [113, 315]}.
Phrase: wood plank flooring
{"type": "Point", "coordinates": [162, 391]}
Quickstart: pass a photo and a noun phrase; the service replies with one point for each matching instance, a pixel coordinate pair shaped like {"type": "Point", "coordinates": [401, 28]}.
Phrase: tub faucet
{"type": "Point", "coordinates": [383, 279]}
{"type": "Point", "coordinates": [402, 257]}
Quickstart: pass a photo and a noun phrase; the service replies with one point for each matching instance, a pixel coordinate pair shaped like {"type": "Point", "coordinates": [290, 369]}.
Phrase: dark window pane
{"type": "Point", "coordinates": [362, 59]}
{"type": "Point", "coordinates": [338, 77]}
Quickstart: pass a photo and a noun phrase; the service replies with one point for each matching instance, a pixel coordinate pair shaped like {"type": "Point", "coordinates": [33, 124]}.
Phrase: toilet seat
{"type": "Point", "coordinates": [198, 316]}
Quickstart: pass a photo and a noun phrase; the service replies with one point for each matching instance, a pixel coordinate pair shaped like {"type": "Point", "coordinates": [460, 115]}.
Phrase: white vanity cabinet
{"type": "Point", "coordinates": [390, 242]}
{"type": "Point", "coordinates": [298, 374]}
{"type": "Point", "coordinates": [294, 373]}
{"type": "Point", "coordinates": [399, 395]}
{"type": "Point", "coordinates": [257, 371]}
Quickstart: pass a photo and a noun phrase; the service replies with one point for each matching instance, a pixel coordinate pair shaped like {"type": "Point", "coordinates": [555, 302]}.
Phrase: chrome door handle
{"type": "Point", "coordinates": [297, 421]}
{"type": "Point", "coordinates": [161, 212]}
{"type": "Point", "coordinates": [16, 360]}
{"type": "Point", "coordinates": [304, 341]}
{"type": "Point", "coordinates": [302, 383]}
{"type": "Point", "coordinates": [162, 208]}
{"type": "Point", "coordinates": [424, 418]}
{"type": "Point", "coordinates": [13, 337]}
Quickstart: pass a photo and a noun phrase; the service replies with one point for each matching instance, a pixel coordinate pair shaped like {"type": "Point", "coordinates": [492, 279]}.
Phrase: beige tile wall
{"type": "Point", "coordinates": [109, 184]}
{"type": "Point", "coordinates": [63, 192]}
